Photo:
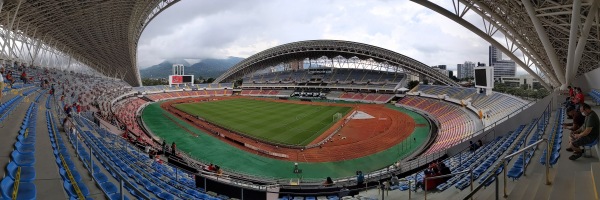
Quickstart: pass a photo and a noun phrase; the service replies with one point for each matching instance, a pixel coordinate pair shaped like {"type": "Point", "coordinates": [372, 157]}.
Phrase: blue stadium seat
{"type": "Point", "coordinates": [27, 190]}
{"type": "Point", "coordinates": [23, 159]}
{"type": "Point", "coordinates": [27, 173]}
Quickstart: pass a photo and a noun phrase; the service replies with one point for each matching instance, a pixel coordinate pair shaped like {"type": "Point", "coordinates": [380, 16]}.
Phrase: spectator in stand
{"type": "Point", "coordinates": [10, 79]}
{"type": "Point", "coordinates": [570, 97]}
{"type": "Point", "coordinates": [432, 171]}
{"type": "Point", "coordinates": [164, 147]}
{"type": "Point", "coordinates": [77, 107]}
{"type": "Point", "coordinates": [218, 170]}
{"type": "Point", "coordinates": [394, 180]}
{"type": "Point", "coordinates": [67, 124]}
{"type": "Point", "coordinates": [52, 90]}
{"type": "Point", "coordinates": [587, 134]}
{"type": "Point", "coordinates": [360, 179]}
{"type": "Point", "coordinates": [173, 149]}
{"type": "Point", "coordinates": [328, 182]}
{"type": "Point", "coordinates": [479, 143]}
{"type": "Point", "coordinates": [578, 119]}
{"type": "Point", "coordinates": [473, 146]}
{"type": "Point", "coordinates": [1, 84]}
{"type": "Point", "coordinates": [24, 77]}
{"type": "Point", "coordinates": [444, 170]}
{"type": "Point", "coordinates": [151, 154]}
{"type": "Point", "coordinates": [577, 99]}
{"type": "Point", "coordinates": [210, 167]}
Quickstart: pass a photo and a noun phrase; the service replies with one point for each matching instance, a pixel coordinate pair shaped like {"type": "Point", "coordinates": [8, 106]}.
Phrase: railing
{"type": "Point", "coordinates": [121, 178]}
{"type": "Point", "coordinates": [504, 163]}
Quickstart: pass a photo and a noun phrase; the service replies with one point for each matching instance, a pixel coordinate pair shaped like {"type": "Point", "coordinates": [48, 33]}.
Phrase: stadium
{"type": "Point", "coordinates": [313, 119]}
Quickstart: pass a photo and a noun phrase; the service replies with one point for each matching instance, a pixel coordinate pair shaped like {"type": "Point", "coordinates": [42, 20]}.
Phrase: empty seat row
{"type": "Point", "coordinates": [21, 172]}
{"type": "Point", "coordinates": [72, 182]}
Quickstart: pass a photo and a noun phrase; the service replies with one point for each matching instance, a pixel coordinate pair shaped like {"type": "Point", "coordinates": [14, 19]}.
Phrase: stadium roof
{"type": "Point", "coordinates": [98, 33]}
{"type": "Point", "coordinates": [330, 48]}
{"type": "Point", "coordinates": [560, 37]}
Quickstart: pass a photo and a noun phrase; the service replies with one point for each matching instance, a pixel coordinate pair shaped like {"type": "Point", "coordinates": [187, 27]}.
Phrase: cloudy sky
{"type": "Point", "coordinates": [199, 29]}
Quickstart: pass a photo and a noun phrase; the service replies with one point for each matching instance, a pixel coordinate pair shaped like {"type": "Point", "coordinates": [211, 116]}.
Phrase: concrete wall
{"type": "Point", "coordinates": [588, 81]}
{"type": "Point", "coordinates": [521, 118]}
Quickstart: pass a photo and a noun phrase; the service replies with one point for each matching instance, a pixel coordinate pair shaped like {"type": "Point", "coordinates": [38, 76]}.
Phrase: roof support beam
{"type": "Point", "coordinates": [545, 41]}
{"type": "Point", "coordinates": [484, 36]}
{"type": "Point", "coordinates": [507, 30]}
{"type": "Point", "coordinates": [571, 70]}
{"type": "Point", "coordinates": [575, 21]}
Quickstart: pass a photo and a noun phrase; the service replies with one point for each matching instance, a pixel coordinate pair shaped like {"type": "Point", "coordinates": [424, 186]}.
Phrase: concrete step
{"type": "Point", "coordinates": [583, 186]}
{"type": "Point", "coordinates": [522, 187]}
{"type": "Point", "coordinates": [563, 187]}
{"type": "Point", "coordinates": [595, 171]}
{"type": "Point", "coordinates": [538, 188]}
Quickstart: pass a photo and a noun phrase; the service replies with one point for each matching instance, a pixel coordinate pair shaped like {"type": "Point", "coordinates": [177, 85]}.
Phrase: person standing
{"type": "Point", "coordinates": [164, 147]}
{"type": "Point", "coordinates": [360, 178]}
{"type": "Point", "coordinates": [173, 149]}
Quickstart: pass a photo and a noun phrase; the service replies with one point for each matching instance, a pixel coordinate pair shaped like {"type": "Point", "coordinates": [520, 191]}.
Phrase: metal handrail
{"type": "Point", "coordinates": [470, 171]}
{"type": "Point", "coordinates": [547, 164]}
{"type": "Point", "coordinates": [504, 163]}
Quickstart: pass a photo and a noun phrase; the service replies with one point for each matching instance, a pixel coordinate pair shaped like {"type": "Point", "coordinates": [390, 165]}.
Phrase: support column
{"type": "Point", "coordinates": [571, 70]}
{"type": "Point", "coordinates": [539, 29]}
{"type": "Point", "coordinates": [10, 26]}
{"type": "Point", "coordinates": [574, 30]}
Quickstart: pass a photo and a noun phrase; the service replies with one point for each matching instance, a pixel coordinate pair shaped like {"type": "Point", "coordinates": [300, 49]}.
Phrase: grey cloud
{"type": "Point", "coordinates": [207, 29]}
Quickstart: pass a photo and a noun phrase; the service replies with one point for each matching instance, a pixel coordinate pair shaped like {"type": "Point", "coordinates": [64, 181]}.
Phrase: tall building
{"type": "Point", "coordinates": [465, 70]}
{"type": "Point", "coordinates": [494, 55]}
{"type": "Point", "coordinates": [502, 68]}
{"type": "Point", "coordinates": [505, 68]}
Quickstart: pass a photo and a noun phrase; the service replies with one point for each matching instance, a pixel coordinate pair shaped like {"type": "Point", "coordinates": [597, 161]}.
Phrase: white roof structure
{"type": "Point", "coordinates": [100, 34]}
{"type": "Point", "coordinates": [553, 40]}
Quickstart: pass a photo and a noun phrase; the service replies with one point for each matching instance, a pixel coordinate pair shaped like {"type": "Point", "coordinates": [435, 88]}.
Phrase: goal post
{"type": "Point", "coordinates": [337, 116]}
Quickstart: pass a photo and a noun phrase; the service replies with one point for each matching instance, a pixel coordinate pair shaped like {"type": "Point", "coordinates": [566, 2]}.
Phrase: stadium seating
{"type": "Point", "coordinates": [267, 93]}
{"type": "Point", "coordinates": [456, 125]}
{"type": "Point", "coordinates": [161, 180]}
{"type": "Point", "coordinates": [340, 78]}
{"type": "Point", "coordinates": [555, 139]}
{"type": "Point", "coordinates": [595, 95]}
{"type": "Point", "coordinates": [166, 88]}
{"type": "Point", "coordinates": [21, 171]}
{"type": "Point", "coordinates": [494, 107]}
{"type": "Point", "coordinates": [361, 97]}
{"type": "Point", "coordinates": [484, 159]}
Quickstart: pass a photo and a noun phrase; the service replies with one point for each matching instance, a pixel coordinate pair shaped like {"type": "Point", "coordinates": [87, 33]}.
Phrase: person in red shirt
{"type": "Point", "coordinates": [24, 77]}
{"type": "Point", "coordinates": [579, 97]}
{"type": "Point", "coordinates": [571, 91]}
{"type": "Point", "coordinates": [10, 79]}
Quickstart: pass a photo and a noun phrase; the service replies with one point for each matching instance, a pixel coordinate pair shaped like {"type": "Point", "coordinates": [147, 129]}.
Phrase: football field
{"type": "Point", "coordinates": [276, 122]}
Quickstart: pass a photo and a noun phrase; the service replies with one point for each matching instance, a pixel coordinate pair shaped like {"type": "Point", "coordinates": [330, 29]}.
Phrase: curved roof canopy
{"type": "Point", "coordinates": [561, 38]}
{"type": "Point", "coordinates": [331, 48]}
{"type": "Point", "coordinates": [100, 34]}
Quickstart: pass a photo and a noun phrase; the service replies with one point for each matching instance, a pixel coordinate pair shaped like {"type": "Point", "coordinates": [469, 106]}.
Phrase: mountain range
{"type": "Point", "coordinates": [206, 68]}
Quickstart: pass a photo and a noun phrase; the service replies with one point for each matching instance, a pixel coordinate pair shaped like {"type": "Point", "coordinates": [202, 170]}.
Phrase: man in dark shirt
{"type": "Point", "coordinates": [578, 119]}
{"type": "Point", "coordinates": [587, 134]}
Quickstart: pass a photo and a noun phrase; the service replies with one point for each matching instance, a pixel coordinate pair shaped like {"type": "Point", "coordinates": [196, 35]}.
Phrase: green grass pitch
{"type": "Point", "coordinates": [282, 123]}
